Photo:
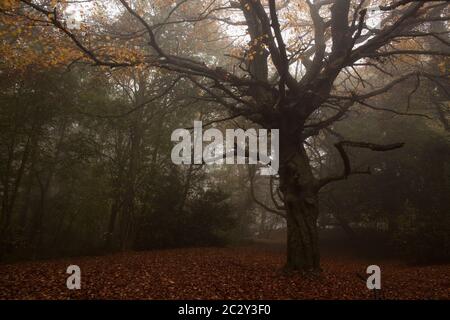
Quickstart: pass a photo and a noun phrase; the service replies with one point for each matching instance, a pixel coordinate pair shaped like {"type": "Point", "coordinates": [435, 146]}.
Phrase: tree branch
{"type": "Point", "coordinates": [347, 171]}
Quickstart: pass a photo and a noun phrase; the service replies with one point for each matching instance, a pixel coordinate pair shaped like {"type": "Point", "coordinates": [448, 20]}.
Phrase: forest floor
{"type": "Point", "coordinates": [216, 273]}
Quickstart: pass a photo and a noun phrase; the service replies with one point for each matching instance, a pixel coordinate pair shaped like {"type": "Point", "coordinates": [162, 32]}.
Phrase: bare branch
{"type": "Point", "coordinates": [347, 171]}
{"type": "Point", "coordinates": [252, 193]}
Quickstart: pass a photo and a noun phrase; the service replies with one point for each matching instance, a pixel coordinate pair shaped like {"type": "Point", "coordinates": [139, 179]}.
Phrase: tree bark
{"type": "Point", "coordinates": [299, 188]}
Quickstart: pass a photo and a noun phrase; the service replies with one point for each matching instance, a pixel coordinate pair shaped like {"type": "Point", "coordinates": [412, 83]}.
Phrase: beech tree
{"type": "Point", "coordinates": [298, 66]}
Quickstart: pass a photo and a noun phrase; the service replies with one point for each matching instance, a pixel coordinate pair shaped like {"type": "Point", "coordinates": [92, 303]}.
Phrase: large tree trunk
{"type": "Point", "coordinates": [299, 189]}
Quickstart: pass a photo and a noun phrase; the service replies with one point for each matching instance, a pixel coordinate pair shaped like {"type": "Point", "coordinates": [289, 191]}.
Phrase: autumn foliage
{"type": "Point", "coordinates": [214, 273]}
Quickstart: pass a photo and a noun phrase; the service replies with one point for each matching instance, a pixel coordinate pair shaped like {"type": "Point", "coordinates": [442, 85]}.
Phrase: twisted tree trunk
{"type": "Point", "coordinates": [299, 188]}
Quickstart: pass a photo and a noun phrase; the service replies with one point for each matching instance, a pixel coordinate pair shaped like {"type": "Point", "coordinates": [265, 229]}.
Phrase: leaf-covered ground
{"type": "Point", "coordinates": [216, 273]}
